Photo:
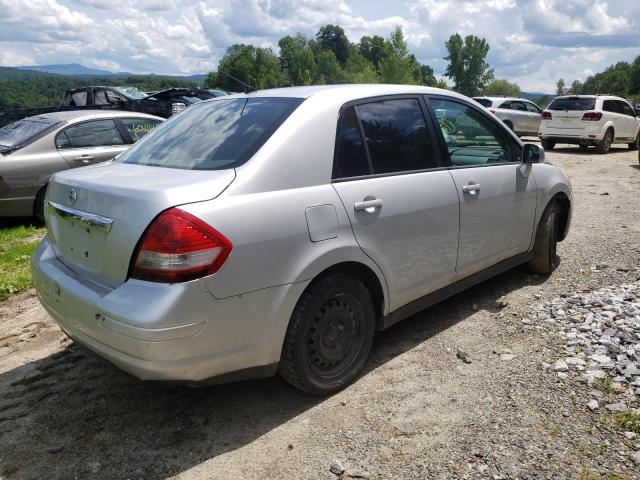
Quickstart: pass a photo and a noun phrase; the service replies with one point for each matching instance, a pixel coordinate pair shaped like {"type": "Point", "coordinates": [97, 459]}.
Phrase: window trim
{"type": "Point", "coordinates": [62, 130]}
{"type": "Point", "coordinates": [435, 150]}
{"type": "Point", "coordinates": [514, 148]}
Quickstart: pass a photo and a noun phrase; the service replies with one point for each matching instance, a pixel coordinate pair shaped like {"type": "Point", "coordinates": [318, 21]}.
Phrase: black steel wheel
{"type": "Point", "coordinates": [329, 336]}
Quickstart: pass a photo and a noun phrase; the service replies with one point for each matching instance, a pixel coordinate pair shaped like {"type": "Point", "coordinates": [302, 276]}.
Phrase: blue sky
{"type": "Point", "coordinates": [533, 42]}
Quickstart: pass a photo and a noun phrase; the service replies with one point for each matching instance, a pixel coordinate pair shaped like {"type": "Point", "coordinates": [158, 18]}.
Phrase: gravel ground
{"type": "Point", "coordinates": [419, 411]}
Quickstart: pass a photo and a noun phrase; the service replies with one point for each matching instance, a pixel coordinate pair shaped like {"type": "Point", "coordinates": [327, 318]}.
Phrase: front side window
{"type": "Point", "coordinates": [627, 110]}
{"type": "Point", "coordinates": [139, 127]}
{"type": "Point", "coordinates": [485, 102]}
{"type": "Point", "coordinates": [518, 105]}
{"type": "Point", "coordinates": [471, 137]}
{"type": "Point", "coordinates": [396, 135]}
{"type": "Point", "coordinates": [96, 133]}
{"type": "Point", "coordinates": [78, 99]}
{"type": "Point", "coordinates": [213, 135]}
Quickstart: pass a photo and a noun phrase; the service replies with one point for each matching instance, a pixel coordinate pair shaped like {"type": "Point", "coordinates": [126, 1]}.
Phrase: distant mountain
{"type": "Point", "coordinates": [69, 69]}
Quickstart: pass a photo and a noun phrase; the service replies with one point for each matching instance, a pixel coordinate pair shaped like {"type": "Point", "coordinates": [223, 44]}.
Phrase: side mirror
{"type": "Point", "coordinates": [532, 153]}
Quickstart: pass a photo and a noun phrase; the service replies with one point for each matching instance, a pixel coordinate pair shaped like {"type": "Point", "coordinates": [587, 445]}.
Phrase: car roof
{"type": "Point", "coordinates": [496, 99]}
{"type": "Point", "coordinates": [344, 92]}
{"type": "Point", "coordinates": [79, 115]}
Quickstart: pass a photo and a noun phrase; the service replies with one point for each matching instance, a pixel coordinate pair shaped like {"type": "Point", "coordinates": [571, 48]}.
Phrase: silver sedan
{"type": "Point", "coordinates": [34, 148]}
{"type": "Point", "coordinates": [519, 114]}
{"type": "Point", "coordinates": [277, 231]}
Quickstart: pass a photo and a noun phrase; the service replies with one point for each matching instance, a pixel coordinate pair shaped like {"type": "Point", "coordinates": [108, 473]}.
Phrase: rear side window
{"type": "Point", "coordinates": [96, 133]}
{"type": "Point", "coordinates": [396, 135]}
{"type": "Point", "coordinates": [139, 127]}
{"type": "Point", "coordinates": [517, 105]}
{"type": "Point", "coordinates": [351, 160]}
{"type": "Point", "coordinates": [485, 102]}
{"type": "Point", "coordinates": [627, 110]}
{"type": "Point", "coordinates": [611, 106]}
{"type": "Point", "coordinates": [572, 103]}
{"type": "Point", "coordinates": [21, 133]}
{"type": "Point", "coordinates": [532, 107]}
{"type": "Point", "coordinates": [213, 135]}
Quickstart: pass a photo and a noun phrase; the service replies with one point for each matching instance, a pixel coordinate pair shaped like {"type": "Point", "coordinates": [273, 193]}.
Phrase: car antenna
{"type": "Point", "coordinates": [247, 88]}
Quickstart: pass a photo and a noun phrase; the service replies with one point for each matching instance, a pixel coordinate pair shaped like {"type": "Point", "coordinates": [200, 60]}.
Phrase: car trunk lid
{"type": "Point", "coordinates": [96, 215]}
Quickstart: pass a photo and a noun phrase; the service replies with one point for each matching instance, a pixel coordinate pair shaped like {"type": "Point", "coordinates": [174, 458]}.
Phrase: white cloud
{"type": "Point", "coordinates": [533, 42]}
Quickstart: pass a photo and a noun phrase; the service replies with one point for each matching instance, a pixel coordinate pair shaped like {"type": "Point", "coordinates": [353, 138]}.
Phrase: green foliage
{"type": "Point", "coordinates": [622, 79]}
{"type": "Point", "coordinates": [329, 70]}
{"type": "Point", "coordinates": [500, 86]}
{"type": "Point", "coordinates": [297, 60]}
{"type": "Point", "coordinates": [467, 66]}
{"type": "Point", "coordinates": [332, 38]}
{"type": "Point", "coordinates": [17, 244]}
{"type": "Point", "coordinates": [373, 49]}
{"type": "Point", "coordinates": [628, 421]}
{"type": "Point", "coordinates": [560, 87]}
{"type": "Point", "coordinates": [256, 66]}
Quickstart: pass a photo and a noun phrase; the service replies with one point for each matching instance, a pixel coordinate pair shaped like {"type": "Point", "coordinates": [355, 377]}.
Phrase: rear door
{"type": "Point", "coordinates": [401, 202]}
{"type": "Point", "coordinates": [497, 193]}
{"type": "Point", "coordinates": [613, 111]}
{"type": "Point", "coordinates": [90, 142]}
{"type": "Point", "coordinates": [630, 119]}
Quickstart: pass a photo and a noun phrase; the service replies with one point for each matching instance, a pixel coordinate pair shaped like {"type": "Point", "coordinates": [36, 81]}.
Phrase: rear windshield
{"type": "Point", "coordinates": [485, 102]}
{"type": "Point", "coordinates": [212, 135]}
{"type": "Point", "coordinates": [572, 104]}
{"type": "Point", "coordinates": [20, 133]}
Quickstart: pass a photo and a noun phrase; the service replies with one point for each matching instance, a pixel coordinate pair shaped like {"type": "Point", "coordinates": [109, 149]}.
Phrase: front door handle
{"type": "Point", "coordinates": [368, 205]}
{"type": "Point", "coordinates": [86, 158]}
{"type": "Point", "coordinates": [472, 188]}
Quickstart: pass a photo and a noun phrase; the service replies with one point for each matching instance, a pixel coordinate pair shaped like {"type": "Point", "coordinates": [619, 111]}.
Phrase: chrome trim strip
{"type": "Point", "coordinates": [90, 219]}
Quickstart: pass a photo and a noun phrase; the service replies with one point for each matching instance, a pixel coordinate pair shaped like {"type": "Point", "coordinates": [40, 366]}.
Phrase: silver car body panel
{"type": "Point", "coordinates": [237, 318]}
{"type": "Point", "coordinates": [523, 122]}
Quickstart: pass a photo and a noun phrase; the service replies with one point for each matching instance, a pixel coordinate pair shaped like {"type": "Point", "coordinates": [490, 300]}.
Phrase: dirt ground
{"type": "Point", "coordinates": [418, 411]}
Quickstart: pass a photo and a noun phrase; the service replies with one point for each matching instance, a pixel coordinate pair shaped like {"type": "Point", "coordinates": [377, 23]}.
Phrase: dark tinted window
{"type": "Point", "coordinates": [139, 127]}
{"type": "Point", "coordinates": [485, 102]}
{"type": "Point", "coordinates": [506, 105]}
{"type": "Point", "coordinates": [532, 107]}
{"type": "Point", "coordinates": [572, 103]}
{"type": "Point", "coordinates": [351, 160]}
{"type": "Point", "coordinates": [611, 106]}
{"type": "Point", "coordinates": [213, 135]}
{"type": "Point", "coordinates": [627, 109]}
{"type": "Point", "coordinates": [517, 105]}
{"type": "Point", "coordinates": [397, 135]}
{"type": "Point", "coordinates": [21, 132]}
{"type": "Point", "coordinates": [471, 137]}
{"type": "Point", "coordinates": [96, 133]}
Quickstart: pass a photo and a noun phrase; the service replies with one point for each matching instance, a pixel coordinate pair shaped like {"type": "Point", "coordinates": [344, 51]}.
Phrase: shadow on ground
{"type": "Point", "coordinates": [73, 415]}
{"type": "Point", "coordinates": [575, 149]}
{"type": "Point", "coordinates": [11, 222]}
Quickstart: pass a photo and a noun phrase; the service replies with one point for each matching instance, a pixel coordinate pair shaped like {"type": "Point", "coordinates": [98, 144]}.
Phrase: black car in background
{"type": "Point", "coordinates": [163, 104]}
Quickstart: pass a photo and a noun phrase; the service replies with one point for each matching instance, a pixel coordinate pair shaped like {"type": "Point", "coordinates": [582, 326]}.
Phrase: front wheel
{"type": "Point", "coordinates": [544, 259]}
{"type": "Point", "coordinates": [605, 145]}
{"type": "Point", "coordinates": [38, 205]}
{"type": "Point", "coordinates": [548, 144]}
{"type": "Point", "coordinates": [329, 335]}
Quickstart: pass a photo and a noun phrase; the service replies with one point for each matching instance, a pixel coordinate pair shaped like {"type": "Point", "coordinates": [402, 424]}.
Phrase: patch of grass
{"type": "Point", "coordinates": [606, 385]}
{"type": "Point", "coordinates": [587, 475]}
{"type": "Point", "coordinates": [17, 244]}
{"type": "Point", "coordinates": [628, 421]}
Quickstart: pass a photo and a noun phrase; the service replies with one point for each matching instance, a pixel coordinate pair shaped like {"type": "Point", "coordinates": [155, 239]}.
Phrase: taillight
{"type": "Point", "coordinates": [178, 247]}
{"type": "Point", "coordinates": [546, 115]}
{"type": "Point", "coordinates": [592, 116]}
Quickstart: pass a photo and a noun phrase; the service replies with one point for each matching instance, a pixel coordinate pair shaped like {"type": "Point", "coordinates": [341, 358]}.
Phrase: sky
{"type": "Point", "coordinates": [533, 42]}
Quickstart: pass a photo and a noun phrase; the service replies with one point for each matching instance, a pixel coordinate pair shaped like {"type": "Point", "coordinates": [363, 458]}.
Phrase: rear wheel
{"type": "Point", "coordinates": [635, 144]}
{"type": "Point", "coordinates": [329, 335]}
{"type": "Point", "coordinates": [544, 259]}
{"type": "Point", "coordinates": [548, 144]}
{"type": "Point", "coordinates": [38, 205]}
{"type": "Point", "coordinates": [605, 145]}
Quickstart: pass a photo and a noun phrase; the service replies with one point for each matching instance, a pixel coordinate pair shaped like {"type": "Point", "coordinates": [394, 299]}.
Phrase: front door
{"type": "Point", "coordinates": [402, 205]}
{"type": "Point", "coordinates": [497, 192]}
{"type": "Point", "coordinates": [90, 142]}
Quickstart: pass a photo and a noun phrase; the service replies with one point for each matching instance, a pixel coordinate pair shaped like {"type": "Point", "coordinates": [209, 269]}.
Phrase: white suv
{"type": "Point", "coordinates": [519, 114]}
{"type": "Point", "coordinates": [586, 120]}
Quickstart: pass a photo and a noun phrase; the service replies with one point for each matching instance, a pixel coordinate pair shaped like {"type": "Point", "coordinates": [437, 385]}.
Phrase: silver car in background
{"type": "Point", "coordinates": [276, 231]}
{"type": "Point", "coordinates": [34, 148]}
{"type": "Point", "coordinates": [519, 114]}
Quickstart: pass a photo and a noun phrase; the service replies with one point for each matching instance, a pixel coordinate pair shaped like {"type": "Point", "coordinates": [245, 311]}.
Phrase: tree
{"type": "Point", "coordinates": [467, 66]}
{"type": "Point", "coordinates": [427, 77]}
{"type": "Point", "coordinates": [297, 60]}
{"type": "Point", "coordinates": [360, 69]}
{"type": "Point", "coordinates": [560, 87]}
{"type": "Point", "coordinates": [397, 65]}
{"type": "Point", "coordinates": [576, 87]}
{"type": "Point", "coordinates": [256, 66]}
{"type": "Point", "coordinates": [500, 86]}
{"type": "Point", "coordinates": [332, 38]}
{"type": "Point", "coordinates": [211, 80]}
{"type": "Point", "coordinates": [329, 70]}
{"type": "Point", "coordinates": [372, 48]}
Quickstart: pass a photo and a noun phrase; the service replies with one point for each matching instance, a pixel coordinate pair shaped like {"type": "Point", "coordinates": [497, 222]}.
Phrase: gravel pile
{"type": "Point", "coordinates": [600, 331]}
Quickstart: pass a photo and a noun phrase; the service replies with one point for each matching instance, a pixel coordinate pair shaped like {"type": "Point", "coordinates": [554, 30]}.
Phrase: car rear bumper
{"type": "Point", "coordinates": [157, 331]}
{"type": "Point", "coordinates": [588, 135]}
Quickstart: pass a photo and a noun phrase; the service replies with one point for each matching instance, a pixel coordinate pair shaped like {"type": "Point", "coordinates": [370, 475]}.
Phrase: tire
{"type": "Point", "coordinates": [544, 259]}
{"type": "Point", "coordinates": [635, 144]}
{"type": "Point", "coordinates": [38, 205]}
{"type": "Point", "coordinates": [584, 147]}
{"type": "Point", "coordinates": [548, 144]}
{"type": "Point", "coordinates": [605, 145]}
{"type": "Point", "coordinates": [329, 335]}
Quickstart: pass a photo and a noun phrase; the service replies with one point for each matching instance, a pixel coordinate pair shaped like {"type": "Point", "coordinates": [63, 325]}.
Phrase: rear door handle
{"type": "Point", "coordinates": [472, 188]}
{"type": "Point", "coordinates": [86, 158]}
{"type": "Point", "coordinates": [368, 205]}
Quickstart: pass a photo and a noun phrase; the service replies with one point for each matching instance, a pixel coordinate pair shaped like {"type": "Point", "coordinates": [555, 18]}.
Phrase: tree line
{"type": "Point", "coordinates": [621, 79]}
